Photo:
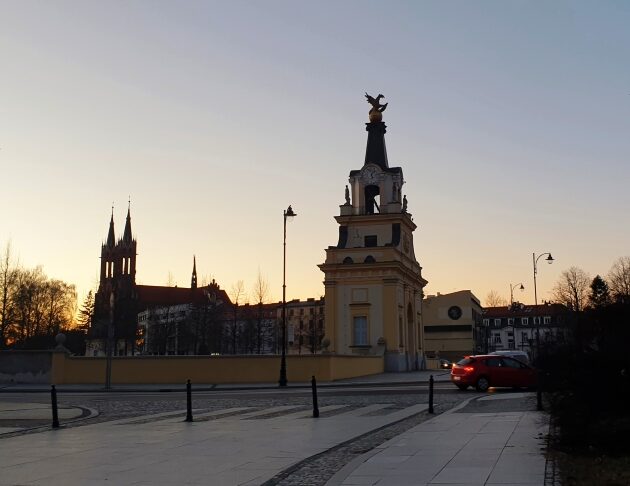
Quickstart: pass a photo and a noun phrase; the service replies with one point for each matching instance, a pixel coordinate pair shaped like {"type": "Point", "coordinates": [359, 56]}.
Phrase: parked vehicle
{"type": "Point", "coordinates": [445, 364]}
{"type": "Point", "coordinates": [512, 353]}
{"type": "Point", "coordinates": [485, 371]}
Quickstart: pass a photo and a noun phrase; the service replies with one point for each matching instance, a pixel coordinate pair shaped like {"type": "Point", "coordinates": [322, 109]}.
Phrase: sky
{"type": "Point", "coordinates": [510, 120]}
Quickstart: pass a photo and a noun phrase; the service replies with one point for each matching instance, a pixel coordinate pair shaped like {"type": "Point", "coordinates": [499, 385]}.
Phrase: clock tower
{"type": "Point", "coordinates": [373, 282]}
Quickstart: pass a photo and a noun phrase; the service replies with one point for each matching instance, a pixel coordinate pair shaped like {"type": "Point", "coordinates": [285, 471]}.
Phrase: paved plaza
{"type": "Point", "coordinates": [489, 439]}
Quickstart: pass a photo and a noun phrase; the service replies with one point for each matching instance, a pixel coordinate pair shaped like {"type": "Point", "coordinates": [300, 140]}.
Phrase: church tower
{"type": "Point", "coordinates": [373, 282]}
{"type": "Point", "coordinates": [117, 287]}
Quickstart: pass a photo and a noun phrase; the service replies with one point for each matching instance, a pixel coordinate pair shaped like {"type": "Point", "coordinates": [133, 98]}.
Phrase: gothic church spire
{"type": "Point", "coordinates": [193, 280]}
{"type": "Point", "coordinates": [111, 239]}
{"type": "Point", "coordinates": [127, 234]}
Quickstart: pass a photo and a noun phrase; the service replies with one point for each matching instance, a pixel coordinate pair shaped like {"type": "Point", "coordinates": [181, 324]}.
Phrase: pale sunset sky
{"type": "Point", "coordinates": [510, 120]}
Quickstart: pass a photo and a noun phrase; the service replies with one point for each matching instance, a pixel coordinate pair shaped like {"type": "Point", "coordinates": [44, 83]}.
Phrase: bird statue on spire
{"type": "Point", "coordinates": [377, 108]}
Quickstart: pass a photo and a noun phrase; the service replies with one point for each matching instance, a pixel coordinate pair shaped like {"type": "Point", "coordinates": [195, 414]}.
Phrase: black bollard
{"type": "Point", "coordinates": [55, 415]}
{"type": "Point", "coordinates": [314, 388]}
{"type": "Point", "coordinates": [189, 417]}
{"type": "Point", "coordinates": [539, 404]}
{"type": "Point", "coordinates": [431, 394]}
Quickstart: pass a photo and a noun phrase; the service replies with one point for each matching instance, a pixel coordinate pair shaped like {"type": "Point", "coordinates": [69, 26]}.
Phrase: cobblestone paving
{"type": "Point", "coordinates": [318, 469]}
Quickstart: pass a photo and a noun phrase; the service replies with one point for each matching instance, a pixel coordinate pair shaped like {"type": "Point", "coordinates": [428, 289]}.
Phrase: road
{"type": "Point", "coordinates": [114, 405]}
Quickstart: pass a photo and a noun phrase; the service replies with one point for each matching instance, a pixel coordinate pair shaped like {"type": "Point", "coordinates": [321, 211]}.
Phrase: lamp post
{"type": "Point", "coordinates": [535, 259]}
{"type": "Point", "coordinates": [288, 213]}
{"type": "Point", "coordinates": [512, 287]}
{"type": "Point", "coordinates": [110, 341]}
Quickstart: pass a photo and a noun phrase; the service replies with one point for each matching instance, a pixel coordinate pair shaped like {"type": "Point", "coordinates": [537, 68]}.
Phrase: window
{"type": "Point", "coordinates": [360, 331]}
{"type": "Point", "coordinates": [486, 322]}
{"type": "Point", "coordinates": [524, 338]}
{"type": "Point", "coordinates": [547, 320]}
{"type": "Point", "coordinates": [497, 338]}
{"type": "Point", "coordinates": [512, 363]}
{"type": "Point", "coordinates": [369, 259]}
{"type": "Point", "coordinates": [370, 241]}
{"type": "Point", "coordinates": [493, 362]}
{"type": "Point", "coordinates": [525, 321]}
{"type": "Point", "coordinates": [497, 323]}
{"type": "Point", "coordinates": [536, 320]}
{"type": "Point", "coordinates": [510, 321]}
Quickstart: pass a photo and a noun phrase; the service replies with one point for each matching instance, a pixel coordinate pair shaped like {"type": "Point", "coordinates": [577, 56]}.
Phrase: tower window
{"type": "Point", "coordinates": [370, 241]}
{"type": "Point", "coordinates": [369, 259]}
{"type": "Point", "coordinates": [370, 199]}
{"type": "Point", "coordinates": [348, 260]}
{"type": "Point", "coordinates": [360, 330]}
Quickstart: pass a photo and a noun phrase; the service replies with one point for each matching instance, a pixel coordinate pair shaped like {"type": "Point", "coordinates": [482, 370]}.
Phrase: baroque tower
{"type": "Point", "coordinates": [373, 282]}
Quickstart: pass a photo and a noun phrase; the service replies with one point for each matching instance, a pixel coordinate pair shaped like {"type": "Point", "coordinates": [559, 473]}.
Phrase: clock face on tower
{"type": "Point", "coordinates": [370, 175]}
{"type": "Point", "coordinates": [454, 312]}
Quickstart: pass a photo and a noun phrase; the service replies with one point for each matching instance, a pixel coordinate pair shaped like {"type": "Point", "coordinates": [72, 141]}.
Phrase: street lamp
{"type": "Point", "coordinates": [288, 213]}
{"type": "Point", "coordinates": [512, 287]}
{"type": "Point", "coordinates": [535, 259]}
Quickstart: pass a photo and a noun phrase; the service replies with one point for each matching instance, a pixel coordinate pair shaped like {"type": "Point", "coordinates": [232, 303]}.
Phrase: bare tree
{"type": "Point", "coordinates": [261, 294]}
{"type": "Point", "coordinates": [8, 275]}
{"type": "Point", "coordinates": [573, 288]}
{"type": "Point", "coordinates": [619, 279]}
{"type": "Point", "coordinates": [493, 299]}
{"type": "Point", "coordinates": [237, 296]}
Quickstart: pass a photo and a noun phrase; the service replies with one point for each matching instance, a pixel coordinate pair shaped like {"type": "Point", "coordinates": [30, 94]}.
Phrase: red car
{"type": "Point", "coordinates": [485, 371]}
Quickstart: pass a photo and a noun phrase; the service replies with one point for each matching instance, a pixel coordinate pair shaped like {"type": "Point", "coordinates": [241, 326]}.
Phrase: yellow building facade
{"type": "Point", "coordinates": [373, 282]}
{"type": "Point", "coordinates": [449, 324]}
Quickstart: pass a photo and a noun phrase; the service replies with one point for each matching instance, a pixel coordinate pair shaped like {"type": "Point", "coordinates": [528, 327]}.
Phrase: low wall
{"type": "Point", "coordinates": [209, 369]}
{"type": "Point", "coordinates": [25, 366]}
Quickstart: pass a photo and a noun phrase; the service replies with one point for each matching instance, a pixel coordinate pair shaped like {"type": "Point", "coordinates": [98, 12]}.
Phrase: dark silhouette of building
{"type": "Point", "coordinates": [119, 300]}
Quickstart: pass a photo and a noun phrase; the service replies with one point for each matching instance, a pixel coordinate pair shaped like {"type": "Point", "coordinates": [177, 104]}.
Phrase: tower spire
{"type": "Point", "coordinates": [111, 239]}
{"type": "Point", "coordinates": [127, 234]}
{"type": "Point", "coordinates": [375, 152]}
{"type": "Point", "coordinates": [193, 280]}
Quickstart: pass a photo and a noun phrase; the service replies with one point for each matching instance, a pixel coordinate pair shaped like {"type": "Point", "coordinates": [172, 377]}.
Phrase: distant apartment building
{"type": "Point", "coordinates": [305, 325]}
{"type": "Point", "coordinates": [522, 327]}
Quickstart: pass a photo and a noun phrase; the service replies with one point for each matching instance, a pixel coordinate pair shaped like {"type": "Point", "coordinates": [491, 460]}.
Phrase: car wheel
{"type": "Point", "coordinates": [462, 387]}
{"type": "Point", "coordinates": [482, 384]}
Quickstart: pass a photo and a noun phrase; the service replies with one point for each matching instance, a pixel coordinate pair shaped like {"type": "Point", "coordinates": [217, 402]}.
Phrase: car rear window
{"type": "Point", "coordinates": [494, 362]}
{"type": "Point", "coordinates": [465, 361]}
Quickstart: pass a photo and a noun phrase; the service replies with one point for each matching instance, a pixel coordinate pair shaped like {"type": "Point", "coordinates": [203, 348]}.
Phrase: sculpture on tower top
{"type": "Point", "coordinates": [377, 108]}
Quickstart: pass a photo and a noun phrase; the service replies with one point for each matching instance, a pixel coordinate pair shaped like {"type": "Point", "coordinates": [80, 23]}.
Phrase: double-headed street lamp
{"type": "Point", "coordinates": [512, 287]}
{"type": "Point", "coordinates": [288, 213]}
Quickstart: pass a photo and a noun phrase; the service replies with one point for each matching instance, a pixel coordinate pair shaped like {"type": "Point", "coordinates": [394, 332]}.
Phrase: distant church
{"type": "Point", "coordinates": [119, 299]}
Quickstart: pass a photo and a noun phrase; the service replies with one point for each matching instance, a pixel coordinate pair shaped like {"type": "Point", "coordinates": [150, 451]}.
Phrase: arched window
{"type": "Point", "coordinates": [369, 259]}
{"type": "Point", "coordinates": [348, 260]}
{"type": "Point", "coordinates": [370, 199]}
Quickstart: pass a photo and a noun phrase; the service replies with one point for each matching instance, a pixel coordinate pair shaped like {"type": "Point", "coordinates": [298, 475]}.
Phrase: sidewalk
{"type": "Point", "coordinates": [460, 447]}
{"type": "Point", "coordinates": [412, 377]}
